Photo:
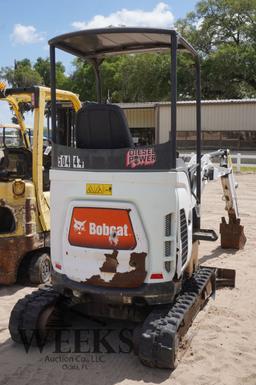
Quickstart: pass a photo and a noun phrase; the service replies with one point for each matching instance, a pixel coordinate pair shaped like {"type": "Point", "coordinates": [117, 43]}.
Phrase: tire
{"type": "Point", "coordinates": [23, 271]}
{"type": "Point", "coordinates": [40, 268]}
{"type": "Point", "coordinates": [33, 314]}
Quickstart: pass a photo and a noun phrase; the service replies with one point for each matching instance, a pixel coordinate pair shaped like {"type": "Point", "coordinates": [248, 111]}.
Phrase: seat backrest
{"type": "Point", "coordinates": [102, 126]}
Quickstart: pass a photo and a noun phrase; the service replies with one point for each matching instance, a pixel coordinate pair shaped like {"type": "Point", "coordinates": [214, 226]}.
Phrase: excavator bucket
{"type": "Point", "coordinates": [232, 233]}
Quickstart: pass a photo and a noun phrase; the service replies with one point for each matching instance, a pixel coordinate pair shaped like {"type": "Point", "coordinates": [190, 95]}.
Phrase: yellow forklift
{"type": "Point", "coordinates": [24, 186]}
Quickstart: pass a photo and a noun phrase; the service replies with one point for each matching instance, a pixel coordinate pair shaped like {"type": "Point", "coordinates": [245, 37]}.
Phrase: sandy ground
{"type": "Point", "coordinates": [220, 347]}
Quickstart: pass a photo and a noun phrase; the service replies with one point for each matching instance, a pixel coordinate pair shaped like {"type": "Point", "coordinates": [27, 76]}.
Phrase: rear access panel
{"type": "Point", "coordinates": [105, 244]}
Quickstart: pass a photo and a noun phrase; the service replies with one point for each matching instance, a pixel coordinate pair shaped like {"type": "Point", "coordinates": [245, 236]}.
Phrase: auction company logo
{"type": "Point", "coordinates": [74, 349]}
{"type": "Point", "coordinates": [67, 340]}
{"type": "Point", "coordinates": [140, 157]}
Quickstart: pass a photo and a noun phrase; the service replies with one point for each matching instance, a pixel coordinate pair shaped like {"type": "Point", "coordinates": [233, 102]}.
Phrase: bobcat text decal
{"type": "Point", "coordinates": [140, 157]}
{"type": "Point", "coordinates": [101, 228]}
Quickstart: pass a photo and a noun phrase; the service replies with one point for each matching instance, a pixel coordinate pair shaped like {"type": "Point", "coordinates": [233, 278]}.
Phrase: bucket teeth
{"type": "Point", "coordinates": [232, 234]}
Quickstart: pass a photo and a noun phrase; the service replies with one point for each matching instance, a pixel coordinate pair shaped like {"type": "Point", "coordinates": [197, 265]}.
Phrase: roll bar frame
{"type": "Point", "coordinates": [96, 57]}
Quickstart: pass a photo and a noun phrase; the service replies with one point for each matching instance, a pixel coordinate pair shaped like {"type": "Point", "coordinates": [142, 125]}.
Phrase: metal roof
{"type": "Point", "coordinates": [187, 102]}
{"type": "Point", "coordinates": [99, 43]}
{"type": "Point", "coordinates": [9, 125]}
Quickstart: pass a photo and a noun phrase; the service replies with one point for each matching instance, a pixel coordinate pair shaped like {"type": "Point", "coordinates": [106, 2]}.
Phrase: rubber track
{"type": "Point", "coordinates": [159, 339]}
{"type": "Point", "coordinates": [26, 312]}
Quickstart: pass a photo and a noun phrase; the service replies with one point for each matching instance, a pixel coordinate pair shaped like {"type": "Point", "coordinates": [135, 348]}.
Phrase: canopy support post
{"type": "Point", "coordinates": [96, 66]}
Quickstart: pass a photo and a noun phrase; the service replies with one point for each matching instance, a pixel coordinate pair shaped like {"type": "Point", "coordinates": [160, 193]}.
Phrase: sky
{"type": "Point", "coordinates": [26, 26]}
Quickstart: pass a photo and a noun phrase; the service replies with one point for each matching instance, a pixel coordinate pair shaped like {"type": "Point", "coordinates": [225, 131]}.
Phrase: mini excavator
{"type": "Point", "coordinates": [126, 220]}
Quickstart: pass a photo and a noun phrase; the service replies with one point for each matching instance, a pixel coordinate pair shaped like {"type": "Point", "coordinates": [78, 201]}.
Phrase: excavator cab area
{"type": "Point", "coordinates": [25, 161]}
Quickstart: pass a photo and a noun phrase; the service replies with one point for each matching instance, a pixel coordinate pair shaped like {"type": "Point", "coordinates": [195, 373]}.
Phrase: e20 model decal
{"type": "Point", "coordinates": [101, 228]}
{"type": "Point", "coordinates": [140, 157]}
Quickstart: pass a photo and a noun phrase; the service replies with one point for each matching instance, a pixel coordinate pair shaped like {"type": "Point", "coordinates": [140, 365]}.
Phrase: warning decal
{"type": "Point", "coordinates": [98, 189]}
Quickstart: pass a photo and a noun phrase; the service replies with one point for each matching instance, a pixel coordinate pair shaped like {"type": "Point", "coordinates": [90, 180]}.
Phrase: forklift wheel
{"type": "Point", "coordinates": [40, 268]}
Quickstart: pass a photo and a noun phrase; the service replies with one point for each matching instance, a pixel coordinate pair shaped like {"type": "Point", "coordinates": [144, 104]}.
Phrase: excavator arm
{"type": "Point", "coordinates": [232, 233]}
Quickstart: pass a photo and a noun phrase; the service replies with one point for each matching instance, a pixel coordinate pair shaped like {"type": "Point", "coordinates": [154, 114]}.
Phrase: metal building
{"type": "Point", "coordinates": [225, 123]}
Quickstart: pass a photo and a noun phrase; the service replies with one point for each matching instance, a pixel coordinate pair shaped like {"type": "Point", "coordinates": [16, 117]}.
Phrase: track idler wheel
{"type": "Point", "coordinates": [33, 317]}
{"type": "Point", "coordinates": [232, 233]}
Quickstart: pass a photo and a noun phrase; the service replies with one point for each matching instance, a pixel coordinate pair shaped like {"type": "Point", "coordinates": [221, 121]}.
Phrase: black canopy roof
{"type": "Point", "coordinates": [99, 43]}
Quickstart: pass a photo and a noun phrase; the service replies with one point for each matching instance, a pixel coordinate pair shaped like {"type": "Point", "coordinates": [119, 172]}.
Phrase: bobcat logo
{"type": "Point", "coordinates": [79, 226]}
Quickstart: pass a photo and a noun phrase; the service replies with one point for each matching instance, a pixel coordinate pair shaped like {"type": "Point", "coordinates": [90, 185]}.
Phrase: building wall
{"type": "Point", "coordinates": [224, 122]}
{"type": "Point", "coordinates": [140, 117]}
{"type": "Point", "coordinates": [225, 116]}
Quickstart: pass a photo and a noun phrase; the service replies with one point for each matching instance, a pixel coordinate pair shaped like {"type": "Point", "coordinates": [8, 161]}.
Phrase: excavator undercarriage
{"type": "Point", "coordinates": [159, 329]}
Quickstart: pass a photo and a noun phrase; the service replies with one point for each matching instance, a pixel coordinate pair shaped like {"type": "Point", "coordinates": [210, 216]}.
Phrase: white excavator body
{"type": "Point", "coordinates": [140, 217]}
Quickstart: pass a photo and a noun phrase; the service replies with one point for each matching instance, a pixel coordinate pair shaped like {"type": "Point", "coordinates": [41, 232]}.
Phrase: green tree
{"type": "Point", "coordinates": [42, 66]}
{"type": "Point", "coordinates": [134, 78]}
{"type": "Point", "coordinates": [217, 21]}
{"type": "Point", "coordinates": [22, 75]}
{"type": "Point", "coordinates": [224, 32]}
{"type": "Point", "coordinates": [82, 80]}
{"type": "Point", "coordinates": [230, 72]}
{"type": "Point", "coordinates": [144, 77]}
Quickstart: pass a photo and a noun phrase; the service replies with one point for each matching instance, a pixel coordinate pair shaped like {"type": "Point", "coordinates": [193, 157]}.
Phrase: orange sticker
{"type": "Point", "coordinates": [101, 228]}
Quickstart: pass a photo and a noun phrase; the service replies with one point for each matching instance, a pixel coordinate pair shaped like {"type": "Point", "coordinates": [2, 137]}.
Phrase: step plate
{"type": "Point", "coordinates": [205, 235]}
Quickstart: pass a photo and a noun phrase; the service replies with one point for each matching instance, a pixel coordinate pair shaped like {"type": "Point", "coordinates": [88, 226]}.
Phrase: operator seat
{"type": "Point", "coordinates": [102, 126]}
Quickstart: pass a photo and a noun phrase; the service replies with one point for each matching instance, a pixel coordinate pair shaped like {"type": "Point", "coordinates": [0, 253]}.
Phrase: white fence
{"type": "Point", "coordinates": [239, 157]}
{"type": "Point", "coordinates": [250, 160]}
